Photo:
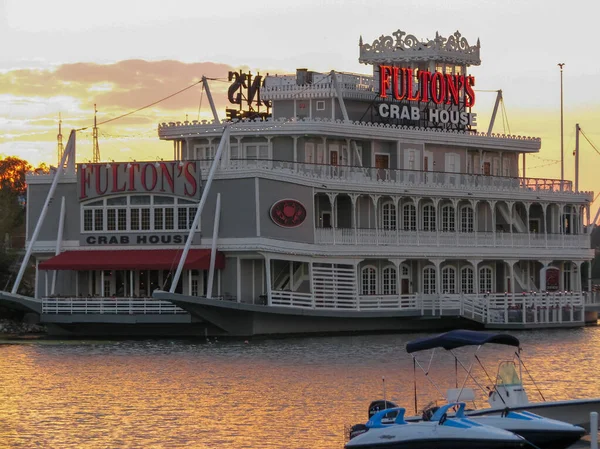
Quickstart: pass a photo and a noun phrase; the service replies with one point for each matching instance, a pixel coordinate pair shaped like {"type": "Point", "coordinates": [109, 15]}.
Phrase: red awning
{"type": "Point", "coordinates": [132, 259]}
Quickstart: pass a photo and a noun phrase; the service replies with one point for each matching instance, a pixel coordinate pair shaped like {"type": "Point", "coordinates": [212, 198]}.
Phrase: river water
{"type": "Point", "coordinates": [276, 394]}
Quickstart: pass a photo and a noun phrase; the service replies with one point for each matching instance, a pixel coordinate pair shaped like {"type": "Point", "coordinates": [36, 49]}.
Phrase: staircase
{"type": "Point", "coordinates": [523, 280]}
{"type": "Point", "coordinates": [282, 280]}
{"type": "Point", "coordinates": [517, 222]}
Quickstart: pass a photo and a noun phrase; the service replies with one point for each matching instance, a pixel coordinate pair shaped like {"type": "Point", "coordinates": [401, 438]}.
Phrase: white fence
{"type": "Point", "coordinates": [493, 308]}
{"type": "Point", "coordinates": [109, 306]}
{"type": "Point", "coordinates": [362, 236]}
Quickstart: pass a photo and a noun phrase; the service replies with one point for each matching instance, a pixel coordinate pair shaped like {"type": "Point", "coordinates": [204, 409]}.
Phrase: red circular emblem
{"type": "Point", "coordinates": [288, 213]}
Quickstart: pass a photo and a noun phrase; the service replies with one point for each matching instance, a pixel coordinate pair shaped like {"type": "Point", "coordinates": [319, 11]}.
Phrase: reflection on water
{"type": "Point", "coordinates": [274, 394]}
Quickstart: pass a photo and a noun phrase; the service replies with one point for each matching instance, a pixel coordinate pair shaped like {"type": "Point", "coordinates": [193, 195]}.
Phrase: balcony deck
{"type": "Point", "coordinates": [361, 236]}
{"type": "Point", "coordinates": [343, 175]}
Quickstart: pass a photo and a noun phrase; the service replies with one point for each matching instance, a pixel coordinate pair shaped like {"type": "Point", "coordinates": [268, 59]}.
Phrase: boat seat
{"type": "Point", "coordinates": [466, 394]}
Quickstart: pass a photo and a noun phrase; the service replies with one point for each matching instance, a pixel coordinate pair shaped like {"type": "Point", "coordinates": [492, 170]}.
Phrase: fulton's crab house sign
{"type": "Point", "coordinates": [435, 89]}
{"type": "Point", "coordinates": [168, 178]}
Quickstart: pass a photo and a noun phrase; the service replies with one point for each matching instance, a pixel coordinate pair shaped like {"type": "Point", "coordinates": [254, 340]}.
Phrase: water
{"type": "Point", "coordinates": [276, 394]}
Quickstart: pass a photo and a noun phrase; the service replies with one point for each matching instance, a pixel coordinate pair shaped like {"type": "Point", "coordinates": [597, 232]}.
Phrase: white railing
{"type": "Point", "coordinates": [361, 236]}
{"type": "Point", "coordinates": [592, 299]}
{"type": "Point", "coordinates": [401, 178]}
{"type": "Point", "coordinates": [109, 306]}
{"type": "Point", "coordinates": [491, 308]}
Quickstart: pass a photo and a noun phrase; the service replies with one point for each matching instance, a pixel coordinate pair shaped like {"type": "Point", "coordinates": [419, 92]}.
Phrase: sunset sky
{"type": "Point", "coordinates": [65, 55]}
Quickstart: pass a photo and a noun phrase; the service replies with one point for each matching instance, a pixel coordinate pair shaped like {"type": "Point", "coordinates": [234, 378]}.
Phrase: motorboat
{"type": "Point", "coordinates": [543, 433]}
{"type": "Point", "coordinates": [507, 393]}
{"type": "Point", "coordinates": [440, 432]}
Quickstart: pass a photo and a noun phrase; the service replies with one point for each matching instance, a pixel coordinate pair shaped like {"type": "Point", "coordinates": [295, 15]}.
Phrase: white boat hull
{"type": "Point", "coordinates": [576, 411]}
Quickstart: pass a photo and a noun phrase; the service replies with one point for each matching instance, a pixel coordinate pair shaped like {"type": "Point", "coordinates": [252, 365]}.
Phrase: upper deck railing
{"type": "Point", "coordinates": [349, 129]}
{"type": "Point", "coordinates": [396, 177]}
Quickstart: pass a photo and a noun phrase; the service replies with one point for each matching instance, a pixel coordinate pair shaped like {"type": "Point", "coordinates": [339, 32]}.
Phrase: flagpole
{"type": "Point", "coordinates": [562, 144]}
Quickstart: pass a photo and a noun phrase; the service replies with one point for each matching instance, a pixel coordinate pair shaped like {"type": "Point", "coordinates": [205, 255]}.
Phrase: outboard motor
{"type": "Point", "coordinates": [356, 430]}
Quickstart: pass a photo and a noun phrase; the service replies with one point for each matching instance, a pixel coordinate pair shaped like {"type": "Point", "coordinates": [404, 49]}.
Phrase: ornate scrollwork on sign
{"type": "Point", "coordinates": [404, 47]}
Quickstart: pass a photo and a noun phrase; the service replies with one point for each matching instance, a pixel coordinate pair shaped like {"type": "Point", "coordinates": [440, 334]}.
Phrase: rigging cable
{"type": "Point", "coordinates": [589, 141]}
{"type": "Point", "coordinates": [145, 107]}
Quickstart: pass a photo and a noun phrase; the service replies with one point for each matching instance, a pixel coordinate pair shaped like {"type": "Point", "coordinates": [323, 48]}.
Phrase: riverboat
{"type": "Point", "coordinates": [326, 202]}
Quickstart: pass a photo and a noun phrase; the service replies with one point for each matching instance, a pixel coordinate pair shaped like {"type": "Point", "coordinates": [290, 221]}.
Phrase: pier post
{"type": "Point", "coordinates": [594, 430]}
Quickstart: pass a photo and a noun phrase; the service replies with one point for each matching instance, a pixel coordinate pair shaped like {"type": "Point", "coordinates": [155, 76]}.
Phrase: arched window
{"type": "Point", "coordinates": [428, 217]}
{"type": "Point", "coordinates": [448, 218]}
{"type": "Point", "coordinates": [388, 216]}
{"type": "Point", "coordinates": [466, 280]}
{"type": "Point", "coordinates": [369, 281]}
{"type": "Point", "coordinates": [466, 219]}
{"type": "Point", "coordinates": [449, 280]}
{"type": "Point", "coordinates": [410, 217]}
{"type": "Point", "coordinates": [485, 280]}
{"type": "Point", "coordinates": [390, 281]}
{"type": "Point", "coordinates": [428, 280]}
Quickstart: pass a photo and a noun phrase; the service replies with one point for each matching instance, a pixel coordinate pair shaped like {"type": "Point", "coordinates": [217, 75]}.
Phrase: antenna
{"type": "Point", "coordinates": [60, 148]}
{"type": "Point", "coordinates": [95, 147]}
{"type": "Point", "coordinates": [384, 398]}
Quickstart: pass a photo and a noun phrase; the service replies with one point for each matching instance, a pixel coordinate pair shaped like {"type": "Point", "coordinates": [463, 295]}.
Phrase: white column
{"type": "Point", "coordinates": [545, 222]}
{"type": "Point", "coordinates": [527, 206]}
{"type": "Point", "coordinates": [269, 281]}
{"type": "Point", "coordinates": [239, 279]}
{"type": "Point", "coordinates": [354, 198]}
{"type": "Point", "coordinates": [332, 197]}
{"type": "Point", "coordinates": [131, 293]}
{"type": "Point", "coordinates": [36, 292]}
{"type": "Point", "coordinates": [492, 204]}
{"type": "Point", "coordinates": [375, 199]}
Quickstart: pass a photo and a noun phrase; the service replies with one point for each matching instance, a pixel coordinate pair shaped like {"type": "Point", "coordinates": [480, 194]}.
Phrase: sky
{"type": "Point", "coordinates": [64, 56]}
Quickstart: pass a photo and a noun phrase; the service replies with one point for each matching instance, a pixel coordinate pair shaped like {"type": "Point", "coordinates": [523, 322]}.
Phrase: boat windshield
{"type": "Point", "coordinates": [507, 374]}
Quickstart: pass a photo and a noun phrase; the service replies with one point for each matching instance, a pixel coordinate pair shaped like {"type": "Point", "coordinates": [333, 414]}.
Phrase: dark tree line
{"type": "Point", "coordinates": [13, 194]}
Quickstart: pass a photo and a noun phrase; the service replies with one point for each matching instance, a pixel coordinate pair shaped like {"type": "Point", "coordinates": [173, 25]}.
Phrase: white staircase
{"type": "Point", "coordinates": [516, 222]}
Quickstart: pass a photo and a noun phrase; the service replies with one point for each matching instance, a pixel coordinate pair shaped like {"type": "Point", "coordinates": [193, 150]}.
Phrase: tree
{"type": "Point", "coordinates": [12, 174]}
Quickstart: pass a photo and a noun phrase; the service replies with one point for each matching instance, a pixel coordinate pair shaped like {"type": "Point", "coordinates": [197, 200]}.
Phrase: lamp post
{"type": "Point", "coordinates": [562, 145]}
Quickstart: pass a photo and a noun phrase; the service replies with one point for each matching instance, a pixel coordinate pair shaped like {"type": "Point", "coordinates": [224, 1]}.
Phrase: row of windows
{"type": "Point", "coordinates": [389, 280]}
{"type": "Point", "coordinates": [248, 151]}
{"type": "Point", "coordinates": [409, 214]}
{"type": "Point", "coordinates": [138, 213]}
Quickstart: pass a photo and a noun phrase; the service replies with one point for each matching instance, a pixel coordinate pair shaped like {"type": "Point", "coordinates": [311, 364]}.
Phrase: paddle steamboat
{"type": "Point", "coordinates": [326, 202]}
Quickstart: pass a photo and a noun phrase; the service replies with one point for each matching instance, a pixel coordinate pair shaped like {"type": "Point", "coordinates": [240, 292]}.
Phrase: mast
{"type": "Point", "coordinates": [59, 137]}
{"type": "Point", "coordinates": [577, 129]}
{"type": "Point", "coordinates": [96, 147]}
{"type": "Point", "coordinates": [495, 111]}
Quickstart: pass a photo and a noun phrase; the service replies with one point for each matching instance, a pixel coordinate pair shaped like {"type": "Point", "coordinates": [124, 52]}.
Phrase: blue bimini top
{"type": "Point", "coordinates": [459, 338]}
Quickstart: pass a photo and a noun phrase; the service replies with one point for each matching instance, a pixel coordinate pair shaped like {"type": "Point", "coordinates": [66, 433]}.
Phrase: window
{"type": "Point", "coordinates": [369, 281]}
{"type": "Point", "coordinates": [388, 216]}
{"type": "Point", "coordinates": [309, 153]}
{"type": "Point", "coordinates": [204, 152]}
{"type": "Point", "coordinates": [429, 217]}
{"type": "Point", "coordinates": [449, 280]}
{"type": "Point", "coordinates": [466, 280]}
{"type": "Point", "coordinates": [411, 160]}
{"type": "Point", "coordinates": [485, 280]}
{"type": "Point", "coordinates": [506, 167]}
{"type": "Point", "coordinates": [428, 280]}
{"type": "Point", "coordinates": [466, 219]}
{"type": "Point", "coordinates": [234, 152]}
{"type": "Point", "coordinates": [320, 105]}
{"type": "Point", "coordinates": [138, 213]}
{"type": "Point", "coordinates": [390, 281]}
{"type": "Point", "coordinates": [410, 217]}
{"type": "Point", "coordinates": [448, 217]}
{"type": "Point", "coordinates": [451, 165]}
